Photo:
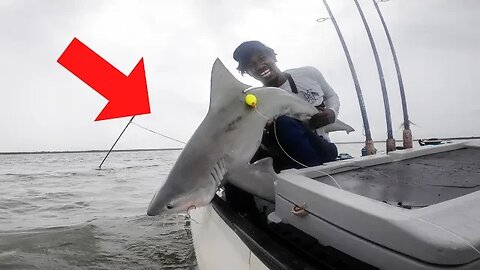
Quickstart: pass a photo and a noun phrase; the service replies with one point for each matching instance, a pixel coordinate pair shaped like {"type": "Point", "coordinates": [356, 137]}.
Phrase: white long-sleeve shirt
{"type": "Point", "coordinates": [313, 88]}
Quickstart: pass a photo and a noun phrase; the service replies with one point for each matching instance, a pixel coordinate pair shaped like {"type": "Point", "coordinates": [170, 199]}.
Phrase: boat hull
{"type": "Point", "coordinates": [217, 246]}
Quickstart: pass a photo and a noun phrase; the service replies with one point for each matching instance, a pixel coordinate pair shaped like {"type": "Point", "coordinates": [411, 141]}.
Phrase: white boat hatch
{"type": "Point", "coordinates": [412, 209]}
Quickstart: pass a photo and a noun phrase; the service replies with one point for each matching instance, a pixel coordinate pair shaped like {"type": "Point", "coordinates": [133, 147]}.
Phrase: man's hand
{"type": "Point", "coordinates": [267, 127]}
{"type": "Point", "coordinates": [322, 118]}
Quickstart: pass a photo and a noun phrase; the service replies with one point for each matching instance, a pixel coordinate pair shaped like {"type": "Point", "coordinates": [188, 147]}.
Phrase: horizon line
{"type": "Point", "coordinates": [86, 151]}
{"type": "Point", "coordinates": [180, 148]}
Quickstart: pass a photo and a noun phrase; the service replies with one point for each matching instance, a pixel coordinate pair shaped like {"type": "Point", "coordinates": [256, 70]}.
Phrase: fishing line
{"type": "Point", "coordinates": [298, 162]}
{"type": "Point", "coordinates": [276, 138]}
{"type": "Point", "coordinates": [188, 231]}
{"type": "Point", "coordinates": [131, 122]}
{"type": "Point", "coordinates": [189, 216]}
{"type": "Point", "coordinates": [165, 136]}
{"type": "Point", "coordinates": [451, 233]}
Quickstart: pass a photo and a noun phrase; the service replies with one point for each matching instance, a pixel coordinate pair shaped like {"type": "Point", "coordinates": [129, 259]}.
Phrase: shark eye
{"type": "Point", "coordinates": [169, 206]}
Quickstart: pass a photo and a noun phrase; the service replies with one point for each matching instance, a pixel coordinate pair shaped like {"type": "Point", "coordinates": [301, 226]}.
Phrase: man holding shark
{"type": "Point", "coordinates": [221, 148]}
{"type": "Point", "coordinates": [305, 144]}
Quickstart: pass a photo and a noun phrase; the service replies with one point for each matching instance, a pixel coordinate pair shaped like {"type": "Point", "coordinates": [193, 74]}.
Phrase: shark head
{"type": "Point", "coordinates": [171, 198]}
{"type": "Point", "coordinates": [227, 138]}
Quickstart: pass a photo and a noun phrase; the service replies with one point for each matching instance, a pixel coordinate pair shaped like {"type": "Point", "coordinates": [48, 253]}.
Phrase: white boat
{"type": "Point", "coordinates": [409, 209]}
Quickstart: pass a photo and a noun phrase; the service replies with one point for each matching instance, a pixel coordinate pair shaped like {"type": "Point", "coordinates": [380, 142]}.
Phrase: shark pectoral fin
{"type": "Point", "coordinates": [257, 178]}
{"type": "Point", "coordinates": [338, 125]}
{"type": "Point", "coordinates": [264, 164]}
{"type": "Point", "coordinates": [224, 86]}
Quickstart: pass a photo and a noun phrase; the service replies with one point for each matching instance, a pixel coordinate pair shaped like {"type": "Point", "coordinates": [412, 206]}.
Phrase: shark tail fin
{"type": "Point", "coordinates": [338, 126]}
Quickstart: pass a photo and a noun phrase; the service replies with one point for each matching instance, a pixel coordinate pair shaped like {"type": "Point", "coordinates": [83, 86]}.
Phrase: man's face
{"type": "Point", "coordinates": [262, 67]}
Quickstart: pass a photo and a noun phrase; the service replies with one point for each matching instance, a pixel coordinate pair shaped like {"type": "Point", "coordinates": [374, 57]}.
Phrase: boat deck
{"type": "Point", "coordinates": [416, 182]}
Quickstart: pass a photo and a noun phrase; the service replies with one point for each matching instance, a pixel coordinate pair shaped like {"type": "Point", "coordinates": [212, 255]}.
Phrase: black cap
{"type": "Point", "coordinates": [244, 52]}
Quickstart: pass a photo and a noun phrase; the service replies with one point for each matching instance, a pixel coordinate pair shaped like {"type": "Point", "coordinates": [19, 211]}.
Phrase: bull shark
{"type": "Point", "coordinates": [224, 143]}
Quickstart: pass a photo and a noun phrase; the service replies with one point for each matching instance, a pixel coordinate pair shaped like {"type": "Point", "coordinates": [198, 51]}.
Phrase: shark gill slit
{"type": "Point", "coordinates": [217, 173]}
{"type": "Point", "coordinates": [221, 167]}
{"type": "Point", "coordinates": [214, 178]}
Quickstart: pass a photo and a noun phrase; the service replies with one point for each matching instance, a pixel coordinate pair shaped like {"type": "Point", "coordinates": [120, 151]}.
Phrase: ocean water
{"type": "Point", "coordinates": [59, 211]}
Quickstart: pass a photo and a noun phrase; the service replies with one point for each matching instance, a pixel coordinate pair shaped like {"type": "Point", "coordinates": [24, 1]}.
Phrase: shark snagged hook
{"type": "Point", "coordinates": [192, 207]}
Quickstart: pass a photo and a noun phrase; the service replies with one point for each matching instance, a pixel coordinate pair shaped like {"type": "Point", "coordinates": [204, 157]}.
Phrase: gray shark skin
{"type": "Point", "coordinates": [226, 139]}
{"type": "Point", "coordinates": [257, 178]}
{"type": "Point", "coordinates": [337, 126]}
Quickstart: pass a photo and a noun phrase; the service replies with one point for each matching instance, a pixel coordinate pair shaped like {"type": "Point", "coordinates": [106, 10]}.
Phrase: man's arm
{"type": "Point", "coordinates": [322, 118]}
{"type": "Point", "coordinates": [328, 114]}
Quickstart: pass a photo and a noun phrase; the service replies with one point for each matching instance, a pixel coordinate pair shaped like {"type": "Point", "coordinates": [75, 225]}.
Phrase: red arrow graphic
{"type": "Point", "coordinates": [127, 95]}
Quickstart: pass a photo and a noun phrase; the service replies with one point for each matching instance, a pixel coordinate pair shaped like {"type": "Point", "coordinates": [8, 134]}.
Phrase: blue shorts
{"type": "Point", "coordinates": [299, 144]}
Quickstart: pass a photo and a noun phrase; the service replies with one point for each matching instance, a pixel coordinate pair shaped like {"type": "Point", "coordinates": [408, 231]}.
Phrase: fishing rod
{"type": "Point", "coordinates": [369, 146]}
{"type": "Point", "coordinates": [390, 140]}
{"type": "Point", "coordinates": [129, 122]}
{"type": "Point", "coordinates": [407, 133]}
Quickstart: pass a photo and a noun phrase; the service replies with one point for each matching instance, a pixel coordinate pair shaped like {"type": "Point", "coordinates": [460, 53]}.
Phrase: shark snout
{"type": "Point", "coordinates": [167, 201]}
{"type": "Point", "coordinates": [154, 207]}
{"type": "Point", "coordinates": [157, 208]}
{"type": "Point", "coordinates": [151, 212]}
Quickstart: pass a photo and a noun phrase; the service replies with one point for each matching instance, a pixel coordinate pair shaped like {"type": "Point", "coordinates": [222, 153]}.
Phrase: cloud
{"type": "Point", "coordinates": [47, 108]}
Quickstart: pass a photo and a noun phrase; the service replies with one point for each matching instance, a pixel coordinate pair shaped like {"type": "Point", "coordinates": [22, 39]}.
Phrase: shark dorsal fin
{"type": "Point", "coordinates": [224, 86]}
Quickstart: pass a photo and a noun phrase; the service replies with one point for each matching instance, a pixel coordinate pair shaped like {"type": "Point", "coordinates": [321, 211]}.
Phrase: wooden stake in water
{"type": "Point", "coordinates": [131, 119]}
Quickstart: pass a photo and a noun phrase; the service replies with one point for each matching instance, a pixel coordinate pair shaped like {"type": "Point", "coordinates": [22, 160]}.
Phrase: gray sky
{"type": "Point", "coordinates": [45, 107]}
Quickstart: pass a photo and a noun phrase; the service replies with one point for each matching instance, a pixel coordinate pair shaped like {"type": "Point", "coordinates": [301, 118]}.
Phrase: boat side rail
{"type": "Point", "coordinates": [421, 232]}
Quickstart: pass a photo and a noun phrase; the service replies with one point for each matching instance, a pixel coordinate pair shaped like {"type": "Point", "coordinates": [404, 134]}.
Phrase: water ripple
{"type": "Point", "coordinates": [59, 211]}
